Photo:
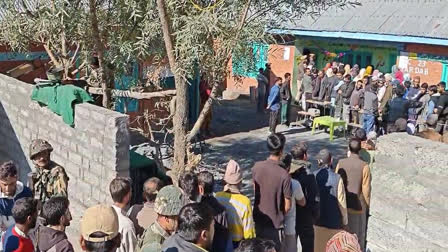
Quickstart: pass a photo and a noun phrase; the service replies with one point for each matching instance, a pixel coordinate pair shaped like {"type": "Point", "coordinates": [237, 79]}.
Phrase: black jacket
{"type": "Point", "coordinates": [398, 108]}
{"type": "Point", "coordinates": [347, 93]}
{"type": "Point", "coordinates": [305, 216]}
{"type": "Point", "coordinates": [442, 107]}
{"type": "Point", "coordinates": [221, 231]}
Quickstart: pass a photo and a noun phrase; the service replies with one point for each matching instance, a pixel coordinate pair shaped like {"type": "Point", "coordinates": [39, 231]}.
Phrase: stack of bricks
{"type": "Point", "coordinates": [93, 152]}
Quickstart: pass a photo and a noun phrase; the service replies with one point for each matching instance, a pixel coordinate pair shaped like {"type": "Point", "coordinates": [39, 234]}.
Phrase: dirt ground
{"type": "Point", "coordinates": [409, 179]}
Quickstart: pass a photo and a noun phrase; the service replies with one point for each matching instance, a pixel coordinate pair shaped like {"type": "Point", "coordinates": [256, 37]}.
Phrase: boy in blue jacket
{"type": "Point", "coordinates": [10, 191]}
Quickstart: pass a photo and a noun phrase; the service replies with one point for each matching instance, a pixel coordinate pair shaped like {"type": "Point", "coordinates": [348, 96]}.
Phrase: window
{"type": "Point", "coordinates": [368, 60]}
{"type": "Point", "coordinates": [247, 65]}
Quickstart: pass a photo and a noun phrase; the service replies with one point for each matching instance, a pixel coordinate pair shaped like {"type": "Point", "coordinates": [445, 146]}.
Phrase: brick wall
{"type": "Point", "coordinates": [93, 152]}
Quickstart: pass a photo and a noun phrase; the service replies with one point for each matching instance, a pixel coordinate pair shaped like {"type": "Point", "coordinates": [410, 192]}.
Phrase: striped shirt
{"type": "Point", "coordinates": [239, 215]}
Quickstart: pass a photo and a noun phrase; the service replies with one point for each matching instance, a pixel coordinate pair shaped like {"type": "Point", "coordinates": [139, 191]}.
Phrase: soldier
{"type": "Point", "coordinates": [49, 178]}
{"type": "Point", "coordinates": [167, 205]}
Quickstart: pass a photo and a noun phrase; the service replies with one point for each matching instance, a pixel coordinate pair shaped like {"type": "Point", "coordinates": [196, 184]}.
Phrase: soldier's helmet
{"type": "Point", "coordinates": [37, 146]}
{"type": "Point", "coordinates": [169, 201]}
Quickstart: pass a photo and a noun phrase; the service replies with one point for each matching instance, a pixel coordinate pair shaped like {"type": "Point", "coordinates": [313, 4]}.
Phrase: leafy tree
{"type": "Point", "coordinates": [191, 34]}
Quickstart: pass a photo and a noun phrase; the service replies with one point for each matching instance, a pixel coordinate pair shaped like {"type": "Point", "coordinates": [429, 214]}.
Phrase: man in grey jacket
{"type": "Point", "coordinates": [370, 108]}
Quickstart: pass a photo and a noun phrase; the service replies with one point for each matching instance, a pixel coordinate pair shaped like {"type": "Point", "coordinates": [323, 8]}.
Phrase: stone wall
{"type": "Point", "coordinates": [93, 152]}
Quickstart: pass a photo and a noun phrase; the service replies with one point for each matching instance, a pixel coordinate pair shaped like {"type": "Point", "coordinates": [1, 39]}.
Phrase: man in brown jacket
{"type": "Point", "coordinates": [356, 176]}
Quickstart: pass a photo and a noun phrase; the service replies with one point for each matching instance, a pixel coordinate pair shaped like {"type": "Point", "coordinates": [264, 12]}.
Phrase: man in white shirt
{"type": "Point", "coordinates": [120, 190]}
{"type": "Point", "coordinates": [290, 244]}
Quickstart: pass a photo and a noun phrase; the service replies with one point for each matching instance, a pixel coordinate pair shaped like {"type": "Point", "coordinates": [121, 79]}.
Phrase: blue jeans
{"type": "Point", "coordinates": [368, 122]}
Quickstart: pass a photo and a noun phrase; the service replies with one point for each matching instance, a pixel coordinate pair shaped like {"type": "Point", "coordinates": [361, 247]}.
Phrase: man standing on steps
{"type": "Point", "coordinates": [358, 177]}
{"type": "Point", "coordinates": [274, 105]}
{"type": "Point", "coordinates": [263, 84]}
{"type": "Point", "coordinates": [273, 194]}
{"type": "Point", "coordinates": [120, 190]}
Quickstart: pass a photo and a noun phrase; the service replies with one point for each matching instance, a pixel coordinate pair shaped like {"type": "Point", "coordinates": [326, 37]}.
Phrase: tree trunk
{"type": "Point", "coordinates": [208, 105]}
{"type": "Point", "coordinates": [106, 74]}
{"type": "Point", "coordinates": [180, 120]}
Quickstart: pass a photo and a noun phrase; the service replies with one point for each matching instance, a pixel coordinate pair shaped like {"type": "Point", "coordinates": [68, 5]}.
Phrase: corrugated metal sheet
{"type": "Point", "coordinates": [421, 18]}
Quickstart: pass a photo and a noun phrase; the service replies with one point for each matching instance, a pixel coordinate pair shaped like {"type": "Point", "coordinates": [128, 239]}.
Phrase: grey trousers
{"type": "Point", "coordinates": [346, 112]}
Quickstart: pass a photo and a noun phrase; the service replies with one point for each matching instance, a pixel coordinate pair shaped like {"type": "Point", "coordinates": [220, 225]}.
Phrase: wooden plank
{"type": "Point", "coordinates": [135, 95]}
{"type": "Point", "coordinates": [20, 70]}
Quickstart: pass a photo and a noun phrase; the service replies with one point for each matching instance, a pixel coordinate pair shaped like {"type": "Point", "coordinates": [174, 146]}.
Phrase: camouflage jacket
{"type": "Point", "coordinates": [152, 239]}
{"type": "Point", "coordinates": [50, 182]}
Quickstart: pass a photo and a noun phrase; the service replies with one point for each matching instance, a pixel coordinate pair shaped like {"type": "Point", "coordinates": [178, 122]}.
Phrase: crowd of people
{"type": "Point", "coordinates": [367, 98]}
{"type": "Point", "coordinates": [294, 209]}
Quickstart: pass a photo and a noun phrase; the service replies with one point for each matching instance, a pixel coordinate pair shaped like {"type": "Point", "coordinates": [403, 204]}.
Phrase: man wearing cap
{"type": "Point", "coordinates": [49, 178]}
{"type": "Point", "coordinates": [358, 186]}
{"type": "Point", "coordinates": [333, 206]}
{"type": "Point", "coordinates": [239, 218]}
{"type": "Point", "coordinates": [305, 215]}
{"type": "Point", "coordinates": [430, 132]}
{"type": "Point", "coordinates": [167, 205]}
{"type": "Point", "coordinates": [99, 229]}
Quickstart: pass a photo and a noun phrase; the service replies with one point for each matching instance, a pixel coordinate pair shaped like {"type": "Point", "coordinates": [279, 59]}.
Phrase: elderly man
{"type": "Point", "coordinates": [143, 215]}
{"type": "Point", "coordinates": [357, 173]}
{"type": "Point", "coordinates": [333, 206]}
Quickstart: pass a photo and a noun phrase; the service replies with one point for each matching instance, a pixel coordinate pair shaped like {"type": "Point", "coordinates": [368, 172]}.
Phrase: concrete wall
{"type": "Point", "coordinates": [93, 152]}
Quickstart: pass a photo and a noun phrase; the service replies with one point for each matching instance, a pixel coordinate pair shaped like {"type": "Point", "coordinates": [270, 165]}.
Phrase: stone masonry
{"type": "Point", "coordinates": [93, 152]}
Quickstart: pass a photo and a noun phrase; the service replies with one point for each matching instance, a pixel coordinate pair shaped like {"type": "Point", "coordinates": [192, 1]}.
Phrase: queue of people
{"type": "Point", "coordinates": [294, 209]}
{"type": "Point", "coordinates": [379, 102]}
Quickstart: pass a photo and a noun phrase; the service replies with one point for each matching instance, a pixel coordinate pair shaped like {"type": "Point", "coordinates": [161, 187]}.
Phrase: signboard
{"type": "Point", "coordinates": [430, 71]}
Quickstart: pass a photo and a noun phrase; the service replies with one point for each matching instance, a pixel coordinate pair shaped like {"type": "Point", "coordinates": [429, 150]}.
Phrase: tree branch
{"type": "Point", "coordinates": [135, 95]}
{"type": "Point", "coordinates": [51, 55]}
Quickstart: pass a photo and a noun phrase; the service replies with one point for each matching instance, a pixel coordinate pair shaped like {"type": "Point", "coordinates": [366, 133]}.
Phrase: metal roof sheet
{"type": "Point", "coordinates": [420, 18]}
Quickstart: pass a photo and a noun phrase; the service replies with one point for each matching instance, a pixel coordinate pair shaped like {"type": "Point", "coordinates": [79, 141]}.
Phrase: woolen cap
{"type": "Point", "coordinates": [99, 218]}
{"type": "Point", "coordinates": [343, 242]}
{"type": "Point", "coordinates": [233, 174]}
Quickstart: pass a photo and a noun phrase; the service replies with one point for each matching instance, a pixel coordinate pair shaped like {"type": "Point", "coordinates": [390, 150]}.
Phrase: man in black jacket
{"type": "Point", "coordinates": [442, 109]}
{"type": "Point", "coordinates": [305, 216]}
{"type": "Point", "coordinates": [398, 107]}
{"type": "Point", "coordinates": [347, 91]}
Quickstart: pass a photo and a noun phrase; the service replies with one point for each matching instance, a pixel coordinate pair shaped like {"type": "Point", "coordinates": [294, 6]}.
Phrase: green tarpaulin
{"type": "Point", "coordinates": [61, 99]}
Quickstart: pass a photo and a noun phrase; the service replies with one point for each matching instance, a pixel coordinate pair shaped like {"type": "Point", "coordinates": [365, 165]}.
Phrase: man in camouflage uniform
{"type": "Point", "coordinates": [49, 178]}
{"type": "Point", "coordinates": [167, 205]}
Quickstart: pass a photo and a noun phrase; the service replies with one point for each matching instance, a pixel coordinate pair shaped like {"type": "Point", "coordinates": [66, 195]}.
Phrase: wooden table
{"type": "Point", "coordinates": [324, 104]}
{"type": "Point", "coordinates": [329, 122]}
